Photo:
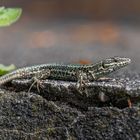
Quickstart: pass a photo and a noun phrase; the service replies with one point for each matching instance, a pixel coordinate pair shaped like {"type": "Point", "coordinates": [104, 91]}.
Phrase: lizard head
{"type": "Point", "coordinates": [115, 63]}
{"type": "Point", "coordinates": [109, 65]}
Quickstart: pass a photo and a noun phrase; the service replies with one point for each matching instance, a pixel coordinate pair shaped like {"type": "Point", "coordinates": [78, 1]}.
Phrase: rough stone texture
{"type": "Point", "coordinates": [59, 111]}
{"type": "Point", "coordinates": [105, 92]}
{"type": "Point", "coordinates": [29, 116]}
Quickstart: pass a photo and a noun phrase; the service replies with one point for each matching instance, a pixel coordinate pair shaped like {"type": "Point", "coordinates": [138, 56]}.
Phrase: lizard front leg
{"type": "Point", "coordinates": [82, 81]}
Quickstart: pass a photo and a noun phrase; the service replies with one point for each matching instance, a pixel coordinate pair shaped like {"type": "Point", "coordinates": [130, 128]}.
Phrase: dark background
{"type": "Point", "coordinates": [76, 31]}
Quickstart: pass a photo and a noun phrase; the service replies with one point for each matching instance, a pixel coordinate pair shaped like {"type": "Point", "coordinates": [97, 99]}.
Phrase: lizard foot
{"type": "Point", "coordinates": [37, 79]}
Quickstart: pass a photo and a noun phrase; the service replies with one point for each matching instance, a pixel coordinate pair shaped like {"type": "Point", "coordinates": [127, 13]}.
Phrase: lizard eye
{"type": "Point", "coordinates": [115, 60]}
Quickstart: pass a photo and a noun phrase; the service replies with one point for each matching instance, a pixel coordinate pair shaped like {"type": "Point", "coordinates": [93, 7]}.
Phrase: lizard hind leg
{"type": "Point", "coordinates": [43, 74]}
{"type": "Point", "coordinates": [34, 82]}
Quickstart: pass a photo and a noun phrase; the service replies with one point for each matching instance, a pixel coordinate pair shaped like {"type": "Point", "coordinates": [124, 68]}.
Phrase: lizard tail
{"type": "Point", "coordinates": [8, 77]}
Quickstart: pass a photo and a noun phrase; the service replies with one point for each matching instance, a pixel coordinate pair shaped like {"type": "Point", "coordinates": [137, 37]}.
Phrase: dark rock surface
{"type": "Point", "coordinates": [29, 116]}
{"type": "Point", "coordinates": [59, 111]}
{"type": "Point", "coordinates": [106, 92]}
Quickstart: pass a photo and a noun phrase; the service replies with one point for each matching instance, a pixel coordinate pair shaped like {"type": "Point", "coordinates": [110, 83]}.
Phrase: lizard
{"type": "Point", "coordinates": [67, 72]}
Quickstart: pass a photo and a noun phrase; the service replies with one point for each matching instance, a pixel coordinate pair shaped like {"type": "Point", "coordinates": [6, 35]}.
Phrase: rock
{"type": "Point", "coordinates": [109, 92]}
{"type": "Point", "coordinates": [30, 116]}
{"type": "Point", "coordinates": [60, 111]}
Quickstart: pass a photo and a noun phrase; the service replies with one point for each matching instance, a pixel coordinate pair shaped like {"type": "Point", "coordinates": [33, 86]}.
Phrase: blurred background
{"type": "Point", "coordinates": [76, 31]}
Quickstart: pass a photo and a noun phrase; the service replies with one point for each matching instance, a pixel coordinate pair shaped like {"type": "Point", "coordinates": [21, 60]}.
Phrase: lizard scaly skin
{"type": "Point", "coordinates": [72, 72]}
